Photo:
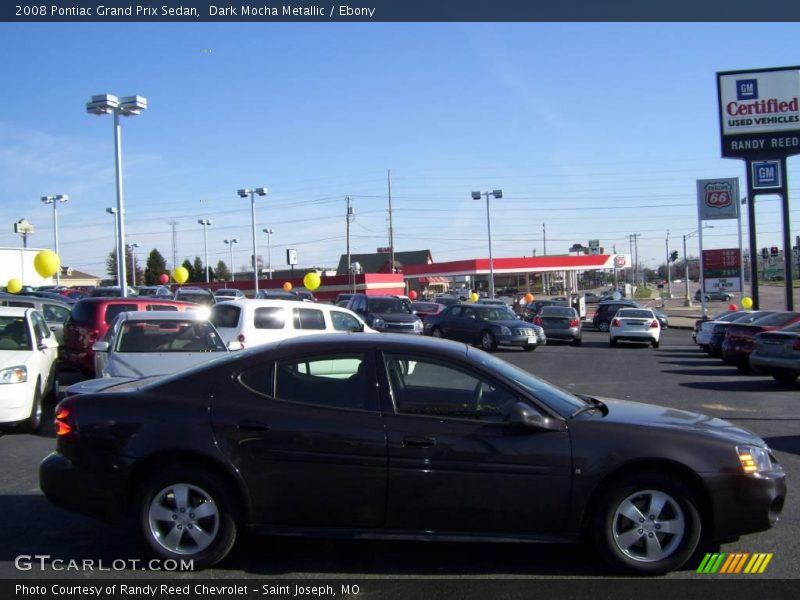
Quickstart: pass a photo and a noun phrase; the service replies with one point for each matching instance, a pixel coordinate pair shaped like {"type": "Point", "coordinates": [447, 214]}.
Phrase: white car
{"type": "Point", "coordinates": [144, 343]}
{"type": "Point", "coordinates": [703, 337]}
{"type": "Point", "coordinates": [28, 352]}
{"type": "Point", "coordinates": [634, 325]}
{"type": "Point", "coordinates": [255, 322]}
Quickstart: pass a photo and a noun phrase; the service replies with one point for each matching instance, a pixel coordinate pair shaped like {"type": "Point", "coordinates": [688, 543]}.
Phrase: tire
{"type": "Point", "coordinates": [488, 343]}
{"type": "Point", "coordinates": [34, 422]}
{"type": "Point", "coordinates": [612, 341]}
{"type": "Point", "coordinates": [52, 391]}
{"type": "Point", "coordinates": [654, 343]}
{"type": "Point", "coordinates": [436, 332]}
{"type": "Point", "coordinates": [602, 326]}
{"type": "Point", "coordinates": [785, 377]}
{"type": "Point", "coordinates": [577, 342]}
{"type": "Point", "coordinates": [743, 367]}
{"type": "Point", "coordinates": [642, 545]}
{"type": "Point", "coordinates": [529, 348]}
{"type": "Point", "coordinates": [201, 489]}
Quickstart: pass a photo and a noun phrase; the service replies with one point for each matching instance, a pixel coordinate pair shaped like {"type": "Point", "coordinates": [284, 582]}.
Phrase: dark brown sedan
{"type": "Point", "coordinates": [401, 436]}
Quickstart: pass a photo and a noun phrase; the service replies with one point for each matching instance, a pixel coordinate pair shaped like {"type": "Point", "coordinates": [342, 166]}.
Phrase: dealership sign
{"type": "Point", "coordinates": [759, 112]}
{"type": "Point", "coordinates": [718, 198]}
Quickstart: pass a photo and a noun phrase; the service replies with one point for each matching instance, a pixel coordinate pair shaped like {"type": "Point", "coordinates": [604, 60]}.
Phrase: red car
{"type": "Point", "coordinates": [426, 309]}
{"type": "Point", "coordinates": [90, 320]}
{"type": "Point", "coordinates": [739, 339]}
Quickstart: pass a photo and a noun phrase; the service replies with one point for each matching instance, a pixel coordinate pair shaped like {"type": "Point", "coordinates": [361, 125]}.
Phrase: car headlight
{"type": "Point", "coordinates": [14, 375]}
{"type": "Point", "coordinates": [378, 323]}
{"type": "Point", "coordinates": [754, 459]}
{"type": "Point", "coordinates": [504, 330]}
{"type": "Point", "coordinates": [418, 325]}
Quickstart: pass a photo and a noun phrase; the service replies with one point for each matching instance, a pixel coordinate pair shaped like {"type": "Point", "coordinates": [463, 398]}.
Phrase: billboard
{"type": "Point", "coordinates": [717, 199]}
{"type": "Point", "coordinates": [721, 270]}
{"type": "Point", "coordinates": [759, 112]}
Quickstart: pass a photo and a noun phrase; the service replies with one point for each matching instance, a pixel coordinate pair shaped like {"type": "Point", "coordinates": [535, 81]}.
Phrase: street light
{"type": "Point", "coordinates": [134, 246]}
{"type": "Point", "coordinates": [269, 233]}
{"type": "Point", "coordinates": [205, 223]}
{"type": "Point", "coordinates": [231, 242]}
{"type": "Point", "coordinates": [113, 211]}
{"type": "Point", "coordinates": [687, 301]}
{"type": "Point", "coordinates": [55, 200]}
{"type": "Point", "coordinates": [128, 106]}
{"type": "Point", "coordinates": [244, 192]}
{"type": "Point", "coordinates": [477, 196]}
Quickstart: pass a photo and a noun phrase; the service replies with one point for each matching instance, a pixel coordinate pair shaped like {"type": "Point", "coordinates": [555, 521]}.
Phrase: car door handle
{"type": "Point", "coordinates": [253, 426]}
{"type": "Point", "coordinates": [420, 442]}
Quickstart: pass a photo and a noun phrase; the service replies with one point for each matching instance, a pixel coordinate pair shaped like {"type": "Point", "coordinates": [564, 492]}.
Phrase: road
{"type": "Point", "coordinates": [676, 375]}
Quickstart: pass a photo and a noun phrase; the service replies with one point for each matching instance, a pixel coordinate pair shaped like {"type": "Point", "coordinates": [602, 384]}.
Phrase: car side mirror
{"type": "Point", "coordinates": [48, 342]}
{"type": "Point", "coordinates": [523, 416]}
{"type": "Point", "coordinates": [234, 346]}
{"type": "Point", "coordinates": [100, 346]}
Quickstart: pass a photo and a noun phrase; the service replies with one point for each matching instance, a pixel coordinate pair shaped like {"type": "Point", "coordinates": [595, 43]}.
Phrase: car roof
{"type": "Point", "coordinates": [162, 315]}
{"type": "Point", "coordinates": [385, 341]}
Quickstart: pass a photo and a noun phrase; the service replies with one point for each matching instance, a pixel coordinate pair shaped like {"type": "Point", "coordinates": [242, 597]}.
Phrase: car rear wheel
{"type": "Point", "coordinates": [436, 332]}
{"type": "Point", "coordinates": [602, 326]}
{"type": "Point", "coordinates": [647, 525]}
{"type": "Point", "coordinates": [612, 341]}
{"type": "Point", "coordinates": [576, 342]}
{"type": "Point", "coordinates": [743, 367]}
{"type": "Point", "coordinates": [530, 348]}
{"type": "Point", "coordinates": [188, 514]}
{"type": "Point", "coordinates": [654, 343]}
{"type": "Point", "coordinates": [34, 421]}
{"type": "Point", "coordinates": [488, 342]}
{"type": "Point", "coordinates": [785, 377]}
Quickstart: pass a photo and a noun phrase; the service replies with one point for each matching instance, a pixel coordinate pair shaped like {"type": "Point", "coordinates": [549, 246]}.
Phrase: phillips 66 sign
{"type": "Point", "coordinates": [718, 198]}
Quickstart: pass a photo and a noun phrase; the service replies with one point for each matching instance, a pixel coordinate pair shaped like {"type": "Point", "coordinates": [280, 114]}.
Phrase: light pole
{"type": "Point", "coordinates": [269, 231]}
{"type": "Point", "coordinates": [477, 196]}
{"type": "Point", "coordinates": [687, 300]}
{"type": "Point", "coordinates": [134, 246]}
{"type": "Point", "coordinates": [230, 243]}
{"type": "Point", "coordinates": [55, 200]}
{"type": "Point", "coordinates": [244, 192]}
{"type": "Point", "coordinates": [669, 269]}
{"type": "Point", "coordinates": [205, 223]}
{"type": "Point", "coordinates": [113, 211]}
{"type": "Point", "coordinates": [127, 106]}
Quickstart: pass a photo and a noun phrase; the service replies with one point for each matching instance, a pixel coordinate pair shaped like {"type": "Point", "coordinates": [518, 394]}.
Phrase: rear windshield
{"type": "Point", "coordinates": [84, 312]}
{"type": "Point", "coordinates": [169, 336]}
{"type": "Point", "coordinates": [632, 313]}
{"type": "Point", "coordinates": [425, 306]}
{"type": "Point", "coordinates": [112, 310]}
{"type": "Point", "coordinates": [388, 305]}
{"type": "Point", "coordinates": [225, 315]}
{"type": "Point", "coordinates": [557, 311]}
{"type": "Point", "coordinates": [777, 319]}
{"type": "Point", "coordinates": [747, 319]}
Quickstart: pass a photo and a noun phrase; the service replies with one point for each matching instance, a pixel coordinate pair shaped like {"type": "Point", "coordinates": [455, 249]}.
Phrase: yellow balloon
{"type": "Point", "coordinates": [474, 297]}
{"type": "Point", "coordinates": [747, 302]}
{"type": "Point", "coordinates": [14, 286]}
{"type": "Point", "coordinates": [46, 263]}
{"type": "Point", "coordinates": [287, 287]}
{"type": "Point", "coordinates": [180, 274]}
{"type": "Point", "coordinates": [311, 280]}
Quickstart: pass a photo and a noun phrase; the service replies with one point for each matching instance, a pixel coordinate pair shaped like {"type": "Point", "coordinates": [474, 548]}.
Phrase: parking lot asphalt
{"type": "Point", "coordinates": [677, 375]}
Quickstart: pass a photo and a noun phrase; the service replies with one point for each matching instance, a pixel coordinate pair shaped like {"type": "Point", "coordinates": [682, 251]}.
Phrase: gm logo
{"type": "Point", "coordinates": [735, 562]}
{"type": "Point", "coordinates": [746, 89]}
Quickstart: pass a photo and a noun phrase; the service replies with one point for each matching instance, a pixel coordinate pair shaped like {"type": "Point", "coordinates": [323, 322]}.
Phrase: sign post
{"type": "Point", "coordinates": [759, 114]}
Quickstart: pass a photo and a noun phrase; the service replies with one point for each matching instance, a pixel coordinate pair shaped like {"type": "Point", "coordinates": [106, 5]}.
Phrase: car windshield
{"type": "Point", "coordinates": [559, 400]}
{"type": "Point", "coordinates": [500, 313]}
{"type": "Point", "coordinates": [14, 334]}
{"type": "Point", "coordinates": [629, 313]}
{"type": "Point", "coordinates": [388, 305]}
{"type": "Point", "coordinates": [169, 336]}
{"type": "Point", "coordinates": [776, 320]}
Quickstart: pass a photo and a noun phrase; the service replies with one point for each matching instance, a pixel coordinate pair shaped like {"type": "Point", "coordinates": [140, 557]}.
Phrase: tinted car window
{"type": "Point", "coordinates": [14, 334]}
{"type": "Point", "coordinates": [55, 314]}
{"type": "Point", "coordinates": [84, 312]}
{"type": "Point", "coordinates": [269, 317]}
{"type": "Point", "coordinates": [388, 305]}
{"type": "Point", "coordinates": [258, 379]}
{"type": "Point", "coordinates": [635, 314]}
{"type": "Point", "coordinates": [19, 303]}
{"type": "Point", "coordinates": [169, 336]}
{"type": "Point", "coordinates": [306, 318]}
{"type": "Point", "coordinates": [775, 320]}
{"type": "Point", "coordinates": [225, 315]}
{"type": "Point", "coordinates": [335, 381]}
{"type": "Point", "coordinates": [112, 310]}
{"type": "Point", "coordinates": [344, 322]}
{"type": "Point", "coordinates": [161, 307]}
{"type": "Point", "coordinates": [557, 311]}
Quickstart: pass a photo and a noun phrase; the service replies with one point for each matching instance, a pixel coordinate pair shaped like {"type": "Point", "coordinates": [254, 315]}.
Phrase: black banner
{"type": "Point", "coordinates": [397, 11]}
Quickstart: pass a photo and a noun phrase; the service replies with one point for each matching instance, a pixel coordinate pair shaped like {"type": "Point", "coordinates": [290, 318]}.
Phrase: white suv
{"type": "Point", "coordinates": [254, 322]}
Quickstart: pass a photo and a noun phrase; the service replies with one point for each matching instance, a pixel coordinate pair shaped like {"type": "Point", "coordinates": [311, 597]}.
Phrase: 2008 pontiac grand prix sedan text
{"type": "Point", "coordinates": [404, 437]}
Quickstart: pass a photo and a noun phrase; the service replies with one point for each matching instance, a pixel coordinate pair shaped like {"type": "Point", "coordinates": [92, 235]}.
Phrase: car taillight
{"type": "Point", "coordinates": [615, 323]}
{"type": "Point", "coordinates": [65, 418]}
{"type": "Point", "coordinates": [241, 337]}
{"type": "Point", "coordinates": [537, 321]}
{"type": "Point", "coordinates": [93, 335]}
{"type": "Point", "coordinates": [597, 312]}
{"type": "Point", "coordinates": [573, 323]}
{"type": "Point", "coordinates": [654, 323]}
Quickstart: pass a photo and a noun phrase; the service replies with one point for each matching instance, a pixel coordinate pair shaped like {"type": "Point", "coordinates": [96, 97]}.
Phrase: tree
{"type": "Point", "coordinates": [223, 274]}
{"type": "Point", "coordinates": [156, 266]}
{"type": "Point", "coordinates": [188, 266]}
{"type": "Point", "coordinates": [199, 270]}
{"type": "Point", "coordinates": [111, 266]}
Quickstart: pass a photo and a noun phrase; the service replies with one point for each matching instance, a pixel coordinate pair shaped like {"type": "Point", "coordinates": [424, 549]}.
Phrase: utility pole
{"type": "Point", "coordinates": [669, 270]}
{"type": "Point", "coordinates": [349, 218]}
{"type": "Point", "coordinates": [391, 229]}
{"type": "Point", "coordinates": [174, 224]}
{"type": "Point", "coordinates": [545, 276]}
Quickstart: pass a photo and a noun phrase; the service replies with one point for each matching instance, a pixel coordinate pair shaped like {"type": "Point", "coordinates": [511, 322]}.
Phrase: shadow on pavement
{"type": "Point", "coordinates": [736, 385]}
{"type": "Point", "coordinates": [785, 443]}
{"type": "Point", "coordinates": [707, 372]}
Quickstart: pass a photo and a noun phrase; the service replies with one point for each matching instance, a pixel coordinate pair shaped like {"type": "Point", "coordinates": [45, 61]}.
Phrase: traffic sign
{"type": "Point", "coordinates": [767, 174]}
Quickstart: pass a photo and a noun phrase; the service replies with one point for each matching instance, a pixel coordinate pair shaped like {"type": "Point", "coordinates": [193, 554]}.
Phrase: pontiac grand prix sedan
{"type": "Point", "coordinates": [404, 437]}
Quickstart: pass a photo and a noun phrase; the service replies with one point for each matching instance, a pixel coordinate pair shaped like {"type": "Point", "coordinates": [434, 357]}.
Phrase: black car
{"type": "Point", "coordinates": [388, 314]}
{"type": "Point", "coordinates": [608, 308]}
{"type": "Point", "coordinates": [409, 438]}
{"type": "Point", "coordinates": [721, 296]}
{"type": "Point", "coordinates": [485, 325]}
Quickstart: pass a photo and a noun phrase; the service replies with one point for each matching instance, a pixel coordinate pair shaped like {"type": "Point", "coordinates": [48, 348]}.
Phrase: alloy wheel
{"type": "Point", "coordinates": [648, 526]}
{"type": "Point", "coordinates": [184, 519]}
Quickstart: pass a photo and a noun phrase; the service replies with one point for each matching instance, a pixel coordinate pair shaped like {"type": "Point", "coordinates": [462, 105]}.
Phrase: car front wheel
{"type": "Point", "coordinates": [602, 326]}
{"type": "Point", "coordinates": [647, 525]}
{"type": "Point", "coordinates": [436, 332]}
{"type": "Point", "coordinates": [785, 377]}
{"type": "Point", "coordinates": [34, 421]}
{"type": "Point", "coordinates": [188, 514]}
{"type": "Point", "coordinates": [488, 342]}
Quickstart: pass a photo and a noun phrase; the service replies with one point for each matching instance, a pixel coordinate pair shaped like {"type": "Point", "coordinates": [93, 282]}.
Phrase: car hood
{"type": "Point", "coordinates": [512, 323]}
{"type": "Point", "coordinates": [13, 358]}
{"type": "Point", "coordinates": [661, 417]}
{"type": "Point", "coordinates": [396, 317]}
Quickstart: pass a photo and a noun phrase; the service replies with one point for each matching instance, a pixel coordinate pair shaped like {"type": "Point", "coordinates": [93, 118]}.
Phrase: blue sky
{"type": "Point", "coordinates": [598, 130]}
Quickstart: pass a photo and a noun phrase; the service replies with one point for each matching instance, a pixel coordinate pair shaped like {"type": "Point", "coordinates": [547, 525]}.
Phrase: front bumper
{"type": "Point", "coordinates": [16, 401]}
{"type": "Point", "coordinates": [745, 504]}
